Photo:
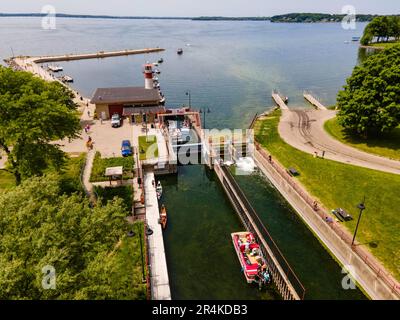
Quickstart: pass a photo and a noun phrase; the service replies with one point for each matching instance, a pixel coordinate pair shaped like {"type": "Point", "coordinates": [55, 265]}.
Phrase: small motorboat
{"type": "Point", "coordinates": [159, 187]}
{"type": "Point", "coordinates": [66, 79]}
{"type": "Point", "coordinates": [161, 60]}
{"type": "Point", "coordinates": [179, 51]}
{"type": "Point", "coordinates": [162, 101]}
{"type": "Point", "coordinates": [251, 259]}
{"type": "Point", "coordinates": [159, 194]}
{"type": "Point", "coordinates": [163, 217]}
{"type": "Point", "coordinates": [157, 71]}
{"type": "Point", "coordinates": [54, 68]}
{"type": "Point", "coordinates": [355, 39]}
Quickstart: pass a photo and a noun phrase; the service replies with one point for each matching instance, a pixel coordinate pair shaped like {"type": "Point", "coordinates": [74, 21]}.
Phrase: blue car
{"type": "Point", "coordinates": [126, 148]}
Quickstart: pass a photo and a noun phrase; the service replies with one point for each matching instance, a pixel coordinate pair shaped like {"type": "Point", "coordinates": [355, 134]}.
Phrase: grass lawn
{"type": "Point", "coordinates": [100, 165]}
{"type": "Point", "coordinates": [70, 175]}
{"type": "Point", "coordinates": [340, 185]}
{"type": "Point", "coordinates": [129, 265]}
{"type": "Point", "coordinates": [7, 180]}
{"type": "Point", "coordinates": [384, 44]}
{"type": "Point", "coordinates": [108, 193]}
{"type": "Point", "coordinates": [386, 146]}
{"type": "Point", "coordinates": [148, 148]}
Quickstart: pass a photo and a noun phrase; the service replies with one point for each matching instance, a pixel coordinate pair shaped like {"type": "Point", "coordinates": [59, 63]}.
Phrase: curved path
{"type": "Point", "coordinates": [304, 130]}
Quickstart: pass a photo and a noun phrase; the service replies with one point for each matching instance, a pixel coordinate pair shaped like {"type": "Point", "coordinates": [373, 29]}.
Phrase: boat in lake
{"type": "Point", "coordinates": [179, 51]}
{"type": "Point", "coordinates": [66, 79]}
{"type": "Point", "coordinates": [161, 60]}
{"type": "Point", "coordinates": [163, 217]}
{"type": "Point", "coordinates": [159, 187]}
{"type": "Point", "coordinates": [355, 39]}
{"type": "Point", "coordinates": [251, 259]}
{"type": "Point", "coordinates": [54, 68]}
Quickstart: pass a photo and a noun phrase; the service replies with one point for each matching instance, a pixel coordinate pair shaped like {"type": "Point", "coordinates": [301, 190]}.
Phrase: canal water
{"type": "Point", "coordinates": [201, 260]}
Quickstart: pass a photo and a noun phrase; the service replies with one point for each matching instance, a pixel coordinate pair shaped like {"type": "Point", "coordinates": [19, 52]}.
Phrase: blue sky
{"type": "Point", "coordinates": [200, 7]}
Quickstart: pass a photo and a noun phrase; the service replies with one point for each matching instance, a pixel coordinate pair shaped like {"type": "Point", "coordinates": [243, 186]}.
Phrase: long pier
{"type": "Point", "coordinates": [97, 55]}
{"type": "Point", "coordinates": [314, 101]}
{"type": "Point", "coordinates": [279, 101]}
{"type": "Point", "coordinates": [159, 280]}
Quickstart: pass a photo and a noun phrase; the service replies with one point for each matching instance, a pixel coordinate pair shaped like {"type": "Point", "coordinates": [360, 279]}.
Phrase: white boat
{"type": "Point", "coordinates": [159, 187]}
{"type": "Point", "coordinates": [66, 79]}
{"type": "Point", "coordinates": [55, 68]}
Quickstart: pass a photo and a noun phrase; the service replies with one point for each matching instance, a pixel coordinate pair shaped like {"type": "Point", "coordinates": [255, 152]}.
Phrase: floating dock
{"type": "Point", "coordinates": [279, 101]}
{"type": "Point", "coordinates": [314, 101]}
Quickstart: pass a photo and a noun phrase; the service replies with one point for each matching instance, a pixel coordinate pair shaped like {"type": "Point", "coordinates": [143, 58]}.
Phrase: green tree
{"type": "Point", "coordinates": [370, 102]}
{"type": "Point", "coordinates": [40, 226]}
{"type": "Point", "coordinates": [382, 28]}
{"type": "Point", "coordinates": [33, 113]}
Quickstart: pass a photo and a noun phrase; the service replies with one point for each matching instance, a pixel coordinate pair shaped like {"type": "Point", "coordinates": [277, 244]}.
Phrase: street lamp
{"type": "Point", "coordinates": [361, 206]}
{"type": "Point", "coordinates": [188, 93]}
{"type": "Point", "coordinates": [204, 112]}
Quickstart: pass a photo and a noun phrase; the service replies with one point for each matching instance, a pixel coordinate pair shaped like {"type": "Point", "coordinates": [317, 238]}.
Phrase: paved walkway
{"type": "Point", "coordinates": [158, 264]}
{"type": "Point", "coordinates": [304, 130]}
{"type": "Point", "coordinates": [87, 172]}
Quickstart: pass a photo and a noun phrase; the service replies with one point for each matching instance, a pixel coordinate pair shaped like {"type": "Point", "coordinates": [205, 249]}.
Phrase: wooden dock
{"type": "Point", "coordinates": [279, 101]}
{"type": "Point", "coordinates": [97, 55]}
{"type": "Point", "coordinates": [311, 99]}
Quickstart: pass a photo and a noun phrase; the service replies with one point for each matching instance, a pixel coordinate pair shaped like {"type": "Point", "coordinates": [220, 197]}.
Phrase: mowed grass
{"type": "Point", "coordinates": [148, 147]}
{"type": "Point", "coordinates": [385, 45]}
{"type": "Point", "coordinates": [128, 262]}
{"type": "Point", "coordinates": [339, 185]}
{"type": "Point", "coordinates": [7, 180]}
{"type": "Point", "coordinates": [70, 175]}
{"type": "Point", "coordinates": [100, 165]}
{"type": "Point", "coordinates": [386, 146]}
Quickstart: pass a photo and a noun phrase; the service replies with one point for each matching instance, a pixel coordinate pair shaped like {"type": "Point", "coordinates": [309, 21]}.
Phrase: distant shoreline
{"type": "Point", "coordinates": [285, 18]}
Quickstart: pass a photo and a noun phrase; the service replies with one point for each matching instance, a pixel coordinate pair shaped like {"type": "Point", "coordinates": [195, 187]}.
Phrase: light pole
{"type": "Point", "coordinates": [188, 93]}
{"type": "Point", "coordinates": [141, 253]}
{"type": "Point", "coordinates": [204, 112]}
{"type": "Point", "coordinates": [361, 206]}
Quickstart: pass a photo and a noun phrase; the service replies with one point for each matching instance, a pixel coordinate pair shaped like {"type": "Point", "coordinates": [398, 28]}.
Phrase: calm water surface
{"type": "Point", "coordinates": [230, 67]}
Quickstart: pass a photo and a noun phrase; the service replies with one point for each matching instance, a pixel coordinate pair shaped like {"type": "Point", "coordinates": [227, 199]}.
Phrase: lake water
{"type": "Point", "coordinates": [230, 68]}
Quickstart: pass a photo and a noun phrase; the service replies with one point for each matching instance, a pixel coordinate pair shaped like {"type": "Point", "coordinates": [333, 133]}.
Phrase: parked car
{"type": "Point", "coordinates": [115, 120]}
{"type": "Point", "coordinates": [126, 148]}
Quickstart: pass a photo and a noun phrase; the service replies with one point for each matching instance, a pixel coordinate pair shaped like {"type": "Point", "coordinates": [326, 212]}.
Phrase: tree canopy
{"type": "Point", "coordinates": [380, 29]}
{"type": "Point", "coordinates": [370, 101]}
{"type": "Point", "coordinates": [33, 113]}
{"type": "Point", "coordinates": [88, 247]}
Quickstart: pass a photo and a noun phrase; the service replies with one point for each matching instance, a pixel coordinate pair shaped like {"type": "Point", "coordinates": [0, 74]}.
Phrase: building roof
{"type": "Point", "coordinates": [126, 95]}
